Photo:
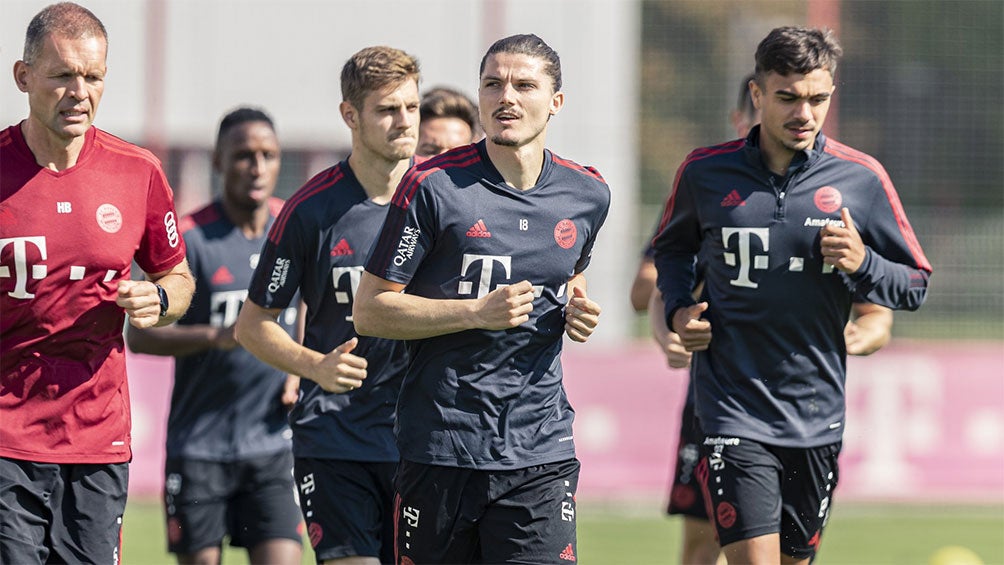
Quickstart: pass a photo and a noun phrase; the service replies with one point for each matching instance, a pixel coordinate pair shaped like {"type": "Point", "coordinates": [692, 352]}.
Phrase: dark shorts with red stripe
{"type": "Point", "coordinates": [251, 501]}
{"type": "Point", "coordinates": [348, 507]}
{"type": "Point", "coordinates": [686, 498]}
{"type": "Point", "coordinates": [454, 515]}
{"type": "Point", "coordinates": [757, 489]}
{"type": "Point", "coordinates": [61, 513]}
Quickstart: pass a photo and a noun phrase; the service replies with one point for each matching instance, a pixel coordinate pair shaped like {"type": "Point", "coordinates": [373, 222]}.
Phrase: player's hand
{"type": "Point", "coordinates": [340, 371]}
{"type": "Point", "coordinates": [676, 354]}
{"type": "Point", "coordinates": [290, 391]}
{"type": "Point", "coordinates": [842, 246]}
{"type": "Point", "coordinates": [694, 331]}
{"type": "Point", "coordinates": [506, 307]}
{"type": "Point", "coordinates": [225, 339]}
{"type": "Point", "coordinates": [581, 315]}
{"type": "Point", "coordinates": [140, 301]}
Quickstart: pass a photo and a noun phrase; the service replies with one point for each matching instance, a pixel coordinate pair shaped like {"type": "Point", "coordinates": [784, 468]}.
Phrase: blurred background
{"type": "Point", "coordinates": [920, 89]}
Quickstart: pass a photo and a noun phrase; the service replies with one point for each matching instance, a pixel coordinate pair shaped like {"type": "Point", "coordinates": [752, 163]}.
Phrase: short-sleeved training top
{"type": "Point", "coordinates": [318, 245]}
{"type": "Point", "coordinates": [66, 240]}
{"type": "Point", "coordinates": [225, 405]}
{"type": "Point", "coordinates": [479, 398]}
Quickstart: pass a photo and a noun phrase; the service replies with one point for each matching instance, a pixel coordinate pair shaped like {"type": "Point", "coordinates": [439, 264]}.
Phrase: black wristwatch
{"type": "Point", "coordinates": [163, 300]}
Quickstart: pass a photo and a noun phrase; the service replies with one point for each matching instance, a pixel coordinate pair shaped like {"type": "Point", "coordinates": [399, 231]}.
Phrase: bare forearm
{"type": "Point", "coordinates": [172, 340]}
{"type": "Point", "coordinates": [268, 341]}
{"type": "Point", "coordinates": [870, 330]}
{"type": "Point", "coordinates": [395, 315]}
{"type": "Point", "coordinates": [180, 285]}
{"type": "Point", "coordinates": [641, 287]}
{"type": "Point", "coordinates": [656, 318]}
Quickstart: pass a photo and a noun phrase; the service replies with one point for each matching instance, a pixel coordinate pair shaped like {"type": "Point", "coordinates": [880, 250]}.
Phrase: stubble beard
{"type": "Point", "coordinates": [504, 142]}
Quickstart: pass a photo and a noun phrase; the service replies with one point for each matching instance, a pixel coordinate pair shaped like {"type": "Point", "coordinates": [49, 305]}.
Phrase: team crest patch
{"type": "Point", "coordinates": [174, 532]}
{"type": "Point", "coordinates": [726, 515]}
{"type": "Point", "coordinates": [109, 218]}
{"type": "Point", "coordinates": [827, 199]}
{"type": "Point", "coordinates": [316, 533]}
{"type": "Point", "coordinates": [565, 233]}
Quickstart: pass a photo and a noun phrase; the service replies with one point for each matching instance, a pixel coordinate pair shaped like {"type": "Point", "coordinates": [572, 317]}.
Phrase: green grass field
{"type": "Point", "coordinates": [612, 534]}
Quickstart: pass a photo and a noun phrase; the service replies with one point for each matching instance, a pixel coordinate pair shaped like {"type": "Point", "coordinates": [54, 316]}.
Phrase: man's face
{"type": "Point", "coordinates": [248, 160]}
{"type": "Point", "coordinates": [439, 135]}
{"type": "Point", "coordinates": [793, 109]}
{"type": "Point", "coordinates": [516, 98]}
{"type": "Point", "coordinates": [387, 124]}
{"type": "Point", "coordinates": [64, 84]}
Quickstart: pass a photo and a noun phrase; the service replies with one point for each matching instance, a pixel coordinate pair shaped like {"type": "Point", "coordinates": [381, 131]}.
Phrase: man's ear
{"type": "Point", "coordinates": [557, 102]}
{"type": "Point", "coordinates": [21, 75]}
{"type": "Point", "coordinates": [349, 114]}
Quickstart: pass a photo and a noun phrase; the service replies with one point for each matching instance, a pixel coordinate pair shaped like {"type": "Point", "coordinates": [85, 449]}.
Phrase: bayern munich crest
{"type": "Point", "coordinates": [109, 218]}
{"type": "Point", "coordinates": [827, 199]}
{"type": "Point", "coordinates": [565, 233]}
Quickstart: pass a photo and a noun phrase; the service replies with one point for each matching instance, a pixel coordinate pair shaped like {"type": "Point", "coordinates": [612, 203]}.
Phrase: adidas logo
{"type": "Point", "coordinates": [568, 554]}
{"type": "Point", "coordinates": [341, 249]}
{"type": "Point", "coordinates": [222, 276]}
{"type": "Point", "coordinates": [479, 230]}
{"type": "Point", "coordinates": [733, 199]}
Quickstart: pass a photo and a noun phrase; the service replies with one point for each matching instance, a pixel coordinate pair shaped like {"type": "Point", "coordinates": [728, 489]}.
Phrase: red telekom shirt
{"type": "Point", "coordinates": [66, 239]}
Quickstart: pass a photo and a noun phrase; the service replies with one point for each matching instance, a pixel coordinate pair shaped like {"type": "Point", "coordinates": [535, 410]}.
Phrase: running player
{"type": "Point", "coordinates": [867, 332]}
{"type": "Point", "coordinates": [77, 207]}
{"type": "Point", "coordinates": [775, 219]}
{"type": "Point", "coordinates": [343, 437]}
{"type": "Point", "coordinates": [229, 469]}
{"type": "Point", "coordinates": [489, 243]}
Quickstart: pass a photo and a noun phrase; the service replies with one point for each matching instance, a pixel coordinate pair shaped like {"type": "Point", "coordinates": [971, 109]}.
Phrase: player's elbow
{"type": "Point", "coordinates": [364, 319]}
{"type": "Point", "coordinates": [138, 341]}
{"type": "Point", "coordinates": [245, 328]}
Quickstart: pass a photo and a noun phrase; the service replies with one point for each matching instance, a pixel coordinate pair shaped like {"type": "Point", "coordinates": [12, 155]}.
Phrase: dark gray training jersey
{"type": "Point", "coordinates": [775, 368]}
{"type": "Point", "coordinates": [225, 405]}
{"type": "Point", "coordinates": [479, 398]}
{"type": "Point", "coordinates": [319, 244]}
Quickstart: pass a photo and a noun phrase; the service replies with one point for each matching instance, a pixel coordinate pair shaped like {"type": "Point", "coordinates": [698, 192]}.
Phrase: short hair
{"type": "Point", "coordinates": [528, 44]}
{"type": "Point", "coordinates": [65, 19]}
{"type": "Point", "coordinates": [443, 102]}
{"type": "Point", "coordinates": [375, 68]}
{"type": "Point", "coordinates": [791, 49]}
{"type": "Point", "coordinates": [744, 103]}
{"type": "Point", "coordinates": [240, 116]}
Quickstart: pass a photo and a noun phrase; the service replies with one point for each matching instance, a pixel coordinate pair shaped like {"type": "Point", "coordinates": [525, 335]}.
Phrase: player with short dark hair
{"type": "Point", "coordinates": [868, 331]}
{"type": "Point", "coordinates": [78, 207]}
{"type": "Point", "coordinates": [343, 436]}
{"type": "Point", "coordinates": [783, 260]}
{"type": "Point", "coordinates": [488, 243]}
{"type": "Point", "coordinates": [229, 457]}
{"type": "Point", "coordinates": [449, 119]}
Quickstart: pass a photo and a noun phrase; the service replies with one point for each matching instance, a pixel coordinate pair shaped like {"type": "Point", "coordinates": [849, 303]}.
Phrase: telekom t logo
{"type": "Point", "coordinates": [224, 306]}
{"type": "Point", "coordinates": [20, 246]}
{"type": "Point", "coordinates": [759, 261]}
{"type": "Point", "coordinates": [485, 279]}
{"type": "Point", "coordinates": [487, 265]}
{"type": "Point", "coordinates": [342, 296]}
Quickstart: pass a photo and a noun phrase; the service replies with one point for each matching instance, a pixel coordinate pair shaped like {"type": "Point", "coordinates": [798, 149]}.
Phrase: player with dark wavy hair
{"type": "Point", "coordinates": [480, 267]}
{"type": "Point", "coordinates": [868, 331]}
{"type": "Point", "coordinates": [791, 228]}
